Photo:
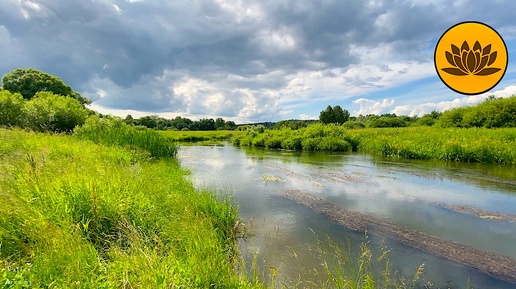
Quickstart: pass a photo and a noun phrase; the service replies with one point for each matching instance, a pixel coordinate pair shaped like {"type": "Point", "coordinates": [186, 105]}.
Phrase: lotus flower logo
{"type": "Point", "coordinates": [466, 61]}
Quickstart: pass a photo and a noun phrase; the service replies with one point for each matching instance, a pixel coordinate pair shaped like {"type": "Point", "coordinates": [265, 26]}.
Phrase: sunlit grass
{"type": "Point", "coordinates": [193, 136]}
{"type": "Point", "coordinates": [447, 144]}
{"type": "Point", "coordinates": [76, 214]}
{"type": "Point", "coordinates": [114, 132]}
{"type": "Point", "coordinates": [84, 215]}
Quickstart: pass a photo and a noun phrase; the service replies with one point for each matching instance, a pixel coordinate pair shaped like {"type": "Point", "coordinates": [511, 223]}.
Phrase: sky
{"type": "Point", "coordinates": [246, 60]}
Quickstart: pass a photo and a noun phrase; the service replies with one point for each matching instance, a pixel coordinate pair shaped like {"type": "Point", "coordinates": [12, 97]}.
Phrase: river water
{"type": "Point", "coordinates": [418, 195]}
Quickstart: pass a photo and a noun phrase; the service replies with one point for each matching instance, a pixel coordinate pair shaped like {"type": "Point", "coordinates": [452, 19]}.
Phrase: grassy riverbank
{"type": "Point", "coordinates": [83, 215]}
{"type": "Point", "coordinates": [448, 144]}
{"type": "Point", "coordinates": [193, 136]}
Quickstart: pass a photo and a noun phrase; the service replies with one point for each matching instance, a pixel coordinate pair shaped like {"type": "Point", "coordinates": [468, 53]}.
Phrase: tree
{"type": "Point", "coordinates": [150, 121]}
{"type": "Point", "coordinates": [334, 115]}
{"type": "Point", "coordinates": [326, 116]}
{"type": "Point", "coordinates": [220, 123]}
{"type": "Point", "coordinates": [340, 116]}
{"type": "Point", "coordinates": [30, 81]}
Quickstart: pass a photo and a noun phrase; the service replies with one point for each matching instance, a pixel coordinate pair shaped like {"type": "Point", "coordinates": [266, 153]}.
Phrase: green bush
{"type": "Point", "coordinates": [11, 108]}
{"type": "Point", "coordinates": [49, 112]}
{"type": "Point", "coordinates": [333, 144]}
{"type": "Point", "coordinates": [351, 124]}
{"type": "Point", "coordinates": [292, 143]}
{"type": "Point", "coordinates": [387, 122]}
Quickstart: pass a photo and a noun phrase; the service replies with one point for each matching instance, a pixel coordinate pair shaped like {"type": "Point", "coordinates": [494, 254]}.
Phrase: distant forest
{"type": "Point", "coordinates": [493, 112]}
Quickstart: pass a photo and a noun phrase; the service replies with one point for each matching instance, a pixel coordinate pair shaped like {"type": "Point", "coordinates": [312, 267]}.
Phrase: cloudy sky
{"type": "Point", "coordinates": [247, 60]}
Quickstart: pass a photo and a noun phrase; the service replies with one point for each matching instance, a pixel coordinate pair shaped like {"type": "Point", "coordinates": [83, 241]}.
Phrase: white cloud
{"type": "Point", "coordinates": [275, 41]}
{"type": "Point", "coordinates": [248, 59]}
{"type": "Point", "coordinates": [368, 106]}
{"type": "Point", "coordinates": [424, 108]}
{"type": "Point", "coordinates": [308, 117]}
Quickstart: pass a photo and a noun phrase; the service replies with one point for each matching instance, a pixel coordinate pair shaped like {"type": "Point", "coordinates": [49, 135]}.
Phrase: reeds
{"type": "Point", "coordinates": [447, 144]}
{"type": "Point", "coordinates": [113, 131]}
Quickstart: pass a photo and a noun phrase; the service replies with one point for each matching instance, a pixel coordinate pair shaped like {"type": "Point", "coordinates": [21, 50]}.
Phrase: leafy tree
{"type": "Point", "coordinates": [181, 123]}
{"type": "Point", "coordinates": [50, 112]}
{"type": "Point", "coordinates": [326, 116]}
{"type": "Point", "coordinates": [340, 115]}
{"type": "Point", "coordinates": [334, 115]}
{"type": "Point", "coordinates": [231, 125]}
{"type": "Point", "coordinates": [129, 119]}
{"type": "Point", "coordinates": [150, 121]}
{"type": "Point", "coordinates": [452, 117]}
{"type": "Point", "coordinates": [220, 123]}
{"type": "Point", "coordinates": [293, 124]}
{"type": "Point", "coordinates": [434, 114]}
{"type": "Point", "coordinates": [206, 124]}
{"type": "Point", "coordinates": [11, 108]}
{"type": "Point", "coordinates": [30, 81]}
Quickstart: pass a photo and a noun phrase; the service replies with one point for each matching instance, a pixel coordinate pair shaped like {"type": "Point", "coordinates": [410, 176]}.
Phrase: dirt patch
{"type": "Point", "coordinates": [469, 210]}
{"type": "Point", "coordinates": [494, 265]}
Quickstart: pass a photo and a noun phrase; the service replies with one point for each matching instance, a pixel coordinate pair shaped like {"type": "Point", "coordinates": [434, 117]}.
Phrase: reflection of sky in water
{"type": "Point", "coordinates": [404, 193]}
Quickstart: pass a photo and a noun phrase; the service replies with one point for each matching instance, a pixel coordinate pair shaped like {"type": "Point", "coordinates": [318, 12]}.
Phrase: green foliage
{"type": "Point", "coordinates": [334, 115]}
{"type": "Point", "coordinates": [452, 118]}
{"type": "Point", "coordinates": [387, 121]}
{"type": "Point", "coordinates": [76, 214]}
{"type": "Point", "coordinates": [28, 82]}
{"type": "Point", "coordinates": [11, 109]}
{"type": "Point", "coordinates": [425, 121]}
{"type": "Point", "coordinates": [350, 124]}
{"type": "Point", "coordinates": [292, 124]}
{"type": "Point", "coordinates": [194, 136]}
{"type": "Point", "coordinates": [468, 145]}
{"type": "Point", "coordinates": [49, 112]}
{"type": "Point", "coordinates": [113, 131]}
{"type": "Point", "coordinates": [491, 113]}
{"type": "Point", "coordinates": [180, 123]}
{"type": "Point", "coordinates": [316, 137]}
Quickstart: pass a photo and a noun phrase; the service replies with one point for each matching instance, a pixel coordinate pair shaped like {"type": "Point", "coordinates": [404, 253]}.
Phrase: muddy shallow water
{"type": "Point", "coordinates": [469, 204]}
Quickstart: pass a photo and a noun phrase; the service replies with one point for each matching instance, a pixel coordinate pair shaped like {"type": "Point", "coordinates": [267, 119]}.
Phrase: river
{"type": "Point", "coordinates": [459, 202]}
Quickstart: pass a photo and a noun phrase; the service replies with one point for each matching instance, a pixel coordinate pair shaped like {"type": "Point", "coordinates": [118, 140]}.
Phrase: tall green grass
{"type": "Point", "coordinates": [447, 144]}
{"type": "Point", "coordinates": [194, 136]}
{"type": "Point", "coordinates": [79, 215]}
{"type": "Point", "coordinates": [76, 214]}
{"type": "Point", "coordinates": [114, 132]}
{"type": "Point", "coordinates": [315, 137]}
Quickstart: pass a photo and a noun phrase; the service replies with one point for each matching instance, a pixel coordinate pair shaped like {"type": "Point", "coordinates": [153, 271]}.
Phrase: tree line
{"type": "Point", "coordinates": [492, 113]}
{"type": "Point", "coordinates": [33, 99]}
{"type": "Point", "coordinates": [180, 123]}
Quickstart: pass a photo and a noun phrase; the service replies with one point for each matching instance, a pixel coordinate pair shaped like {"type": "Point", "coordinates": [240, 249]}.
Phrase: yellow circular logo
{"type": "Point", "coordinates": [471, 58]}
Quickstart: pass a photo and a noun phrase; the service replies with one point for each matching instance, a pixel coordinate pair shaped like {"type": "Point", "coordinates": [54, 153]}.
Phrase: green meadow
{"type": "Point", "coordinates": [447, 144]}
{"type": "Point", "coordinates": [194, 136]}
{"type": "Point", "coordinates": [76, 214]}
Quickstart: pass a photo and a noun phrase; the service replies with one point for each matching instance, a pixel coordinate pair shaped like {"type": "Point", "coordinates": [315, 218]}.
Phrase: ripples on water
{"type": "Point", "coordinates": [414, 194]}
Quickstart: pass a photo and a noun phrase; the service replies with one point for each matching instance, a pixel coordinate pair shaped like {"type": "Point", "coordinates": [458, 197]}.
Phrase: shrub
{"type": "Point", "coordinates": [49, 112]}
{"type": "Point", "coordinates": [333, 144]}
{"type": "Point", "coordinates": [11, 108]}
{"type": "Point", "coordinates": [350, 124]}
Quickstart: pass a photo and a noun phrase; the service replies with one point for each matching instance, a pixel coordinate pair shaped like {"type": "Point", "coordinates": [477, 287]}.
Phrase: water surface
{"type": "Point", "coordinates": [413, 194]}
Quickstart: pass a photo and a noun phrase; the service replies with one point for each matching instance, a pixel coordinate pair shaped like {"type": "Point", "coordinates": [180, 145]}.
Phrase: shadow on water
{"type": "Point", "coordinates": [416, 195]}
